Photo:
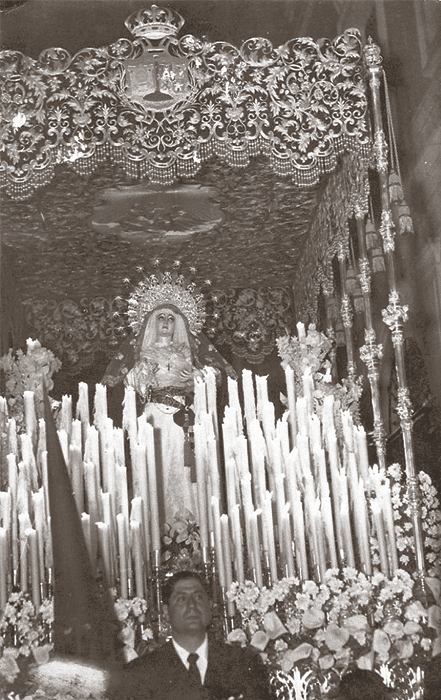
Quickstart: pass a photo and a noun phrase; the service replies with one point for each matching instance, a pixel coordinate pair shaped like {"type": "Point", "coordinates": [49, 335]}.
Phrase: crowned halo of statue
{"type": "Point", "coordinates": [165, 354]}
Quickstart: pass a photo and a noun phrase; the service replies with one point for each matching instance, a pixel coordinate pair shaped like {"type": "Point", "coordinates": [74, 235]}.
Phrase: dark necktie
{"type": "Point", "coordinates": [193, 671]}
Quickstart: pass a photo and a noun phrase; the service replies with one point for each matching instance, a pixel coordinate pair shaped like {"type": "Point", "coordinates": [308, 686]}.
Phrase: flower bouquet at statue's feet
{"type": "Point", "coordinates": [181, 544]}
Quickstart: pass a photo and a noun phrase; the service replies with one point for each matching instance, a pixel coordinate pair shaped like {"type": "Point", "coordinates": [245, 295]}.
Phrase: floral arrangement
{"type": "Point", "coordinates": [24, 635]}
{"type": "Point", "coordinates": [348, 620]}
{"type": "Point", "coordinates": [136, 635]}
{"type": "Point", "coordinates": [430, 515]}
{"type": "Point", "coordinates": [26, 372]}
{"type": "Point", "coordinates": [310, 352]}
{"type": "Point", "coordinates": [181, 544]}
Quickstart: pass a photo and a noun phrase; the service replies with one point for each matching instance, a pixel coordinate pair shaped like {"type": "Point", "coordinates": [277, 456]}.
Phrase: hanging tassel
{"type": "Point", "coordinates": [405, 223]}
{"type": "Point", "coordinates": [331, 310]}
{"type": "Point", "coordinates": [371, 235]}
{"type": "Point", "coordinates": [340, 337]}
{"type": "Point", "coordinates": [395, 187]}
{"type": "Point", "coordinates": [351, 280]}
{"type": "Point", "coordinates": [377, 260]}
{"type": "Point", "coordinates": [358, 300]}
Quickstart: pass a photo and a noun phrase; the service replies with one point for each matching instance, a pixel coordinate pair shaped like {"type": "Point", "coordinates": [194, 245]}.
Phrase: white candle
{"type": "Point", "coordinates": [258, 449]}
{"type": "Point", "coordinates": [287, 543]}
{"type": "Point", "coordinates": [226, 549]}
{"type": "Point", "coordinates": [379, 531]}
{"type": "Point", "coordinates": [153, 489]}
{"type": "Point", "coordinates": [347, 535]}
{"type": "Point", "coordinates": [64, 444]}
{"type": "Point", "coordinates": [348, 430]}
{"type": "Point", "coordinates": [40, 527]}
{"type": "Point", "coordinates": [302, 415]}
{"type": "Point", "coordinates": [234, 403]}
{"type": "Point", "coordinates": [363, 459]}
{"type": "Point", "coordinates": [335, 484]}
{"type": "Point", "coordinates": [30, 416]}
{"type": "Point", "coordinates": [213, 466]}
{"type": "Point", "coordinates": [66, 415]}
{"type": "Point", "coordinates": [299, 535]}
{"type": "Point", "coordinates": [248, 395]}
{"type": "Point", "coordinates": [28, 458]}
{"type": "Point", "coordinates": [137, 556]}
{"type": "Point", "coordinates": [45, 480]}
{"type": "Point", "coordinates": [75, 434]}
{"type": "Point", "coordinates": [85, 524]}
{"type": "Point", "coordinates": [31, 537]}
{"type": "Point", "coordinates": [386, 508]}
{"type": "Point", "coordinates": [301, 331]}
{"type": "Point", "coordinates": [210, 383]}
{"type": "Point", "coordinates": [320, 539]}
{"type": "Point", "coordinates": [268, 420]}
{"type": "Point", "coordinates": [248, 508]}
{"type": "Point", "coordinates": [41, 447]}
{"type": "Point", "coordinates": [118, 444]}
{"type": "Point", "coordinates": [82, 409]}
{"type": "Point", "coordinates": [24, 524]}
{"type": "Point", "coordinates": [291, 394]}
{"type": "Point", "coordinates": [122, 551]}
{"type": "Point", "coordinates": [262, 393]}
{"type": "Point", "coordinates": [329, 527]}
{"type": "Point", "coordinates": [104, 545]}
{"type": "Point", "coordinates": [109, 520]}
{"type": "Point", "coordinates": [201, 477]}
{"type": "Point", "coordinates": [92, 504]}
{"type": "Point", "coordinates": [308, 389]}
{"type": "Point", "coordinates": [4, 568]}
{"type": "Point", "coordinates": [231, 484]}
{"type": "Point", "coordinates": [129, 420]}
{"type": "Point", "coordinates": [268, 532]}
{"type": "Point", "coordinates": [362, 519]}
{"type": "Point", "coordinates": [218, 541]}
{"type": "Point", "coordinates": [77, 476]}
{"type": "Point", "coordinates": [100, 406]}
{"type": "Point", "coordinates": [12, 437]}
{"type": "Point", "coordinates": [255, 549]}
{"type": "Point", "coordinates": [237, 543]}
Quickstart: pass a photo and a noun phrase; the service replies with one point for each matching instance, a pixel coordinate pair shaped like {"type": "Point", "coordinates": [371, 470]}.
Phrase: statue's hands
{"type": "Point", "coordinates": [186, 374]}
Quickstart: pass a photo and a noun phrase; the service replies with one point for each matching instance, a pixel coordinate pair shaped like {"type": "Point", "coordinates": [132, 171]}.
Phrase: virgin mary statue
{"type": "Point", "coordinates": [161, 361]}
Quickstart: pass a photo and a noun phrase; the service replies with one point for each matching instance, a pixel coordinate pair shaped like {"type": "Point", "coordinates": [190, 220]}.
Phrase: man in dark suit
{"type": "Point", "coordinates": [192, 665]}
{"type": "Point", "coordinates": [432, 678]}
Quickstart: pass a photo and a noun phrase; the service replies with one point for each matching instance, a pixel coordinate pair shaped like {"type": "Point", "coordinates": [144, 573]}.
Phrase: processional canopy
{"type": "Point", "coordinates": [276, 138]}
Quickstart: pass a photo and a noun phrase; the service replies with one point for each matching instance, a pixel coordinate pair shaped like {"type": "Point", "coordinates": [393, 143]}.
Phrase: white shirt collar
{"type": "Point", "coordinates": [201, 651]}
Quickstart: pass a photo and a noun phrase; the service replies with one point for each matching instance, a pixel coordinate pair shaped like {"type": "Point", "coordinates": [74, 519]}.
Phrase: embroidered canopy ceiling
{"type": "Point", "coordinates": [244, 162]}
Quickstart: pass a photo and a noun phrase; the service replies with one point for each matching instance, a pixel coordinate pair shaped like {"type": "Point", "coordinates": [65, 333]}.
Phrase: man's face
{"type": "Point", "coordinates": [189, 608]}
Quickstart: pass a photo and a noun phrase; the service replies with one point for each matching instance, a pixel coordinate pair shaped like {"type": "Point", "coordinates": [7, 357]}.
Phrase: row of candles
{"type": "Point", "coordinates": [297, 497]}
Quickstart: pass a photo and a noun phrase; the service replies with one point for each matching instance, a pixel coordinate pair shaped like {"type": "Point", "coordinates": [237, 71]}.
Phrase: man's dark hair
{"type": "Point", "coordinates": [170, 583]}
{"type": "Point", "coordinates": [362, 684]}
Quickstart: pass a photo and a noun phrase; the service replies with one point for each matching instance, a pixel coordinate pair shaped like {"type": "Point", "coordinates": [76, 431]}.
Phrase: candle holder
{"type": "Point", "coordinates": [156, 585]}
{"type": "Point", "coordinates": [207, 562]}
{"type": "Point", "coordinates": [49, 583]}
{"type": "Point", "coordinates": [266, 563]}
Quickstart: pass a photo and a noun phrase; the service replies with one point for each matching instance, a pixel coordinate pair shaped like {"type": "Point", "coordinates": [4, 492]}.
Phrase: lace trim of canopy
{"type": "Point", "coordinates": [302, 105]}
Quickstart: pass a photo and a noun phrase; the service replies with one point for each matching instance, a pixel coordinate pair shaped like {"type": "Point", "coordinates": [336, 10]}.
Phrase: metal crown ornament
{"type": "Point", "coordinates": [155, 22]}
{"type": "Point", "coordinates": [163, 288]}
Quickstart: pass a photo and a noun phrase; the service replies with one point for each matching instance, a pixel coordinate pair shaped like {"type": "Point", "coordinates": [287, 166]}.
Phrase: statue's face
{"type": "Point", "coordinates": [165, 323]}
